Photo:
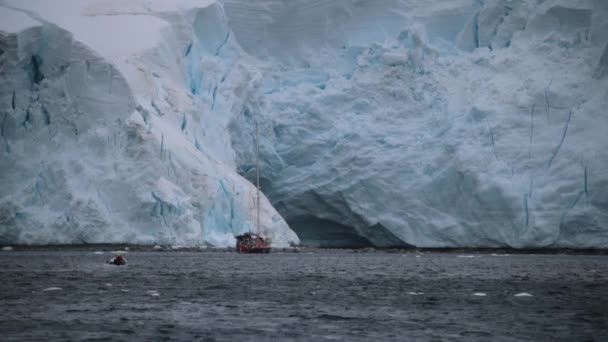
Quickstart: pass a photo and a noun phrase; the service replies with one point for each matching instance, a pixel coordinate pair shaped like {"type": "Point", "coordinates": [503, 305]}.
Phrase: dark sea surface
{"type": "Point", "coordinates": [307, 296]}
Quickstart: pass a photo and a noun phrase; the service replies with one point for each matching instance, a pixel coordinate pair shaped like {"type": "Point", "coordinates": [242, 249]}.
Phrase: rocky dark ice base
{"type": "Point", "coordinates": [325, 295]}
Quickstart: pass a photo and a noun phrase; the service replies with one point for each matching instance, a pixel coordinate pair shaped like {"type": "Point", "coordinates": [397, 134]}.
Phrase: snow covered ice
{"type": "Point", "coordinates": [389, 123]}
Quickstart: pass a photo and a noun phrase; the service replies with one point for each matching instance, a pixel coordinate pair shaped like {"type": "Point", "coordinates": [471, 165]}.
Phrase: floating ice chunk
{"type": "Point", "coordinates": [7, 248]}
{"type": "Point", "coordinates": [109, 284]}
{"type": "Point", "coordinates": [118, 252]}
{"type": "Point", "coordinates": [468, 256]}
{"type": "Point", "coordinates": [153, 293]}
{"type": "Point", "coordinates": [523, 294]}
{"type": "Point", "coordinates": [52, 289]}
{"type": "Point", "coordinates": [479, 294]}
{"type": "Point", "coordinates": [415, 293]}
{"type": "Point", "coordinates": [157, 248]}
{"type": "Point", "coordinates": [98, 252]}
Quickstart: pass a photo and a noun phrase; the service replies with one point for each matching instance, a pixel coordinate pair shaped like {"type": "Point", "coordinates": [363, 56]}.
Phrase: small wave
{"type": "Point", "coordinates": [52, 289]}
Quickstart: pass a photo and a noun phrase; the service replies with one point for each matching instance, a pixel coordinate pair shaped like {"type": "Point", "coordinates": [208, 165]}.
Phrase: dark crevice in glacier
{"type": "Point", "coordinates": [37, 187]}
{"type": "Point", "coordinates": [198, 145]}
{"type": "Point", "coordinates": [561, 142]}
{"type": "Point", "coordinates": [531, 131]}
{"type": "Point", "coordinates": [214, 97]}
{"type": "Point", "coordinates": [13, 100]}
{"type": "Point", "coordinates": [144, 114]}
{"type": "Point", "coordinates": [318, 232]}
{"type": "Point", "coordinates": [159, 208]}
{"type": "Point", "coordinates": [381, 236]}
{"type": "Point", "coordinates": [156, 108]}
{"type": "Point", "coordinates": [27, 120]}
{"type": "Point", "coordinates": [184, 123]}
{"type": "Point", "coordinates": [162, 145]}
{"type": "Point", "coordinates": [7, 146]}
{"type": "Point", "coordinates": [547, 106]}
{"type": "Point", "coordinates": [526, 211]}
{"type": "Point", "coordinates": [602, 65]}
{"type": "Point", "coordinates": [476, 30]}
{"type": "Point", "coordinates": [586, 188]}
{"type": "Point", "coordinates": [36, 74]}
{"type": "Point", "coordinates": [219, 49]}
{"type": "Point", "coordinates": [567, 211]}
{"type": "Point", "coordinates": [47, 116]}
{"type": "Point", "coordinates": [188, 49]}
{"type": "Point", "coordinates": [492, 137]}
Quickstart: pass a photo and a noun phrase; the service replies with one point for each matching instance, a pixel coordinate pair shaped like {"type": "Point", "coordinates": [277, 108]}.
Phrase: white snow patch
{"type": "Point", "coordinates": [14, 21]}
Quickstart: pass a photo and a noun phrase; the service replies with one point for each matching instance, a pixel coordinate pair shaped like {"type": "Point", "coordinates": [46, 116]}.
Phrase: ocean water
{"type": "Point", "coordinates": [307, 296]}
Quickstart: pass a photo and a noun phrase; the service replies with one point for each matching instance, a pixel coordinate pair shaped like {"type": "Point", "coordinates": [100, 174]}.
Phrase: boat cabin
{"type": "Point", "coordinates": [251, 243]}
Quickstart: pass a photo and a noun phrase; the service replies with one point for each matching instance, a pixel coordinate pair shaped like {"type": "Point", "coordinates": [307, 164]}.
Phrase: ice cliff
{"type": "Point", "coordinates": [388, 123]}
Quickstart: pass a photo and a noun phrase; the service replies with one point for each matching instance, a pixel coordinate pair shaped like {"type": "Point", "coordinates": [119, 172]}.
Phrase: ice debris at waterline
{"type": "Point", "coordinates": [385, 123]}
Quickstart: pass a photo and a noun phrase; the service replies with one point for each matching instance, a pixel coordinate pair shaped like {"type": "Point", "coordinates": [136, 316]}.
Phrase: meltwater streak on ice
{"type": "Point", "coordinates": [397, 123]}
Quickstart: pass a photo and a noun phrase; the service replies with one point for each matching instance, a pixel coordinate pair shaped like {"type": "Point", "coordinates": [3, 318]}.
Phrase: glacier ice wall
{"type": "Point", "coordinates": [108, 131]}
{"type": "Point", "coordinates": [436, 124]}
{"type": "Point", "coordinates": [388, 123]}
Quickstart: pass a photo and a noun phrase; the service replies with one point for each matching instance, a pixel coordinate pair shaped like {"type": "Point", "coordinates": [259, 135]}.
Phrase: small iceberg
{"type": "Point", "coordinates": [153, 293]}
{"type": "Point", "coordinates": [523, 294]}
{"type": "Point", "coordinates": [415, 293]}
{"type": "Point", "coordinates": [48, 289]}
{"type": "Point", "coordinates": [468, 256]}
{"type": "Point", "coordinates": [479, 294]}
{"type": "Point", "coordinates": [98, 252]}
{"type": "Point", "coordinates": [7, 248]}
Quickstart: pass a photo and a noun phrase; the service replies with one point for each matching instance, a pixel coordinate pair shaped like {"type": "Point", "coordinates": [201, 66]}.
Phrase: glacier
{"type": "Point", "coordinates": [447, 123]}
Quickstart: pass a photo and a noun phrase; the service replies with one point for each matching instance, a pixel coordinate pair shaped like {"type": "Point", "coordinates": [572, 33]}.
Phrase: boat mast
{"type": "Point", "coordinates": [257, 175]}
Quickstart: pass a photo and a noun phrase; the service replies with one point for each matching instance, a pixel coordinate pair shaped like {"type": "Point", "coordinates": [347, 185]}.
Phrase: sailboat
{"type": "Point", "coordinates": [251, 242]}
